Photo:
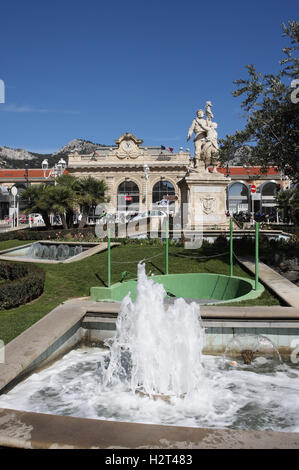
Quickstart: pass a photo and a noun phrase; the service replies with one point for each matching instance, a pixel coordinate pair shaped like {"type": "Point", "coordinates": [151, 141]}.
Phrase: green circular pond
{"type": "Point", "coordinates": [212, 288]}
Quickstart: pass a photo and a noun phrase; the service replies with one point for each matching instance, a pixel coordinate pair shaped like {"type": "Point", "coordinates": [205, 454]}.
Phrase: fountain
{"type": "Point", "coordinates": [153, 371]}
{"type": "Point", "coordinates": [163, 362]}
{"type": "Point", "coordinates": [58, 252]}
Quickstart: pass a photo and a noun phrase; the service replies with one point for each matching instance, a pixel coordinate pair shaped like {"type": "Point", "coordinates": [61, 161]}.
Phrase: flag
{"type": "Point", "coordinates": [167, 148]}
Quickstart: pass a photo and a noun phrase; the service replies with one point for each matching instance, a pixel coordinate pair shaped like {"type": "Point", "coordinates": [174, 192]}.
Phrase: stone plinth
{"type": "Point", "coordinates": [207, 194]}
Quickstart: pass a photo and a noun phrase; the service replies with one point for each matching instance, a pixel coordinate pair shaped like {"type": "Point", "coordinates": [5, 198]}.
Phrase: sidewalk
{"type": "Point", "coordinates": [282, 287]}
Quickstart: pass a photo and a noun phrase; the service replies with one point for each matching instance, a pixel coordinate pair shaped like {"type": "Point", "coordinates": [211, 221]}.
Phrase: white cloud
{"type": "Point", "coordinates": [14, 108]}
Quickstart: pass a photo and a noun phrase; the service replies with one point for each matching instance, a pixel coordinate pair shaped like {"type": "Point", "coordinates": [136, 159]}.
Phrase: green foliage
{"type": "Point", "coordinates": [89, 193]}
{"type": "Point", "coordinates": [58, 234]}
{"type": "Point", "coordinates": [270, 136]}
{"type": "Point", "coordinates": [36, 199]}
{"type": "Point", "coordinates": [288, 201]}
{"type": "Point", "coordinates": [70, 193]}
{"type": "Point", "coordinates": [22, 284]}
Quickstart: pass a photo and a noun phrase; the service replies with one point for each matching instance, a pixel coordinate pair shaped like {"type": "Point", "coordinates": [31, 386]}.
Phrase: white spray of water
{"type": "Point", "coordinates": [164, 345]}
{"type": "Point", "coordinates": [159, 351]}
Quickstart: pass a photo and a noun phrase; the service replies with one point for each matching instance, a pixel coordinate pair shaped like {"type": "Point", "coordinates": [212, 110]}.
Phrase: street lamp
{"type": "Point", "coordinates": [26, 175]}
{"type": "Point", "coordinates": [56, 171]}
{"type": "Point", "coordinates": [146, 174]}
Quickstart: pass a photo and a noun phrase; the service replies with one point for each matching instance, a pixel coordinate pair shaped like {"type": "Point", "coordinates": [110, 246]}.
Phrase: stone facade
{"type": "Point", "coordinates": [127, 161]}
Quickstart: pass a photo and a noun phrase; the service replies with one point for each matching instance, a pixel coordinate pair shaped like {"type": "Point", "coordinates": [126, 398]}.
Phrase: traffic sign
{"type": "Point", "coordinates": [253, 188]}
{"type": "Point", "coordinates": [14, 190]}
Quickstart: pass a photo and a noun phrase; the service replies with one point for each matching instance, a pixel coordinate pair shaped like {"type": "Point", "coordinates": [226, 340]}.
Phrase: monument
{"type": "Point", "coordinates": [206, 187]}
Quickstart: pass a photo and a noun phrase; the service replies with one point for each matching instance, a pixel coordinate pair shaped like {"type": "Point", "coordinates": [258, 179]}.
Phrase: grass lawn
{"type": "Point", "coordinates": [65, 281]}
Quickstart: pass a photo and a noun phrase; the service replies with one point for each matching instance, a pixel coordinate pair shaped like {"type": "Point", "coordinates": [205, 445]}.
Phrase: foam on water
{"type": "Point", "coordinates": [227, 397]}
{"type": "Point", "coordinates": [158, 351]}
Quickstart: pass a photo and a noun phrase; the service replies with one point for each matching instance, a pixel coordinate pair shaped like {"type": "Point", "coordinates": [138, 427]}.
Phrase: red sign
{"type": "Point", "coordinates": [170, 198]}
{"type": "Point", "coordinates": [128, 198]}
{"type": "Point", "coordinates": [253, 188]}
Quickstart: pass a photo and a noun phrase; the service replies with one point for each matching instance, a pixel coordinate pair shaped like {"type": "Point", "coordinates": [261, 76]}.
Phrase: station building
{"type": "Point", "coordinates": [141, 178]}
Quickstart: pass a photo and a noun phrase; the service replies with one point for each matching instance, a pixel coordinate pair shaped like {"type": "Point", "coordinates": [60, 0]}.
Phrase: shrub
{"type": "Point", "coordinates": [39, 234]}
{"type": "Point", "coordinates": [24, 283]}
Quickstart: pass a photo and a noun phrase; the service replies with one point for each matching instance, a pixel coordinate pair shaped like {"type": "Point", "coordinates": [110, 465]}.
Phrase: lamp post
{"type": "Point", "coordinates": [26, 175]}
{"type": "Point", "coordinates": [146, 174]}
{"type": "Point", "coordinates": [14, 192]}
{"type": "Point", "coordinates": [54, 172]}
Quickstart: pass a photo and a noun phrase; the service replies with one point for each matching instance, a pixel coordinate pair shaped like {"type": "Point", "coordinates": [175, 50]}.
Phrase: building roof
{"type": "Point", "coordinates": [248, 171]}
{"type": "Point", "coordinates": [23, 173]}
{"type": "Point", "coordinates": [233, 171]}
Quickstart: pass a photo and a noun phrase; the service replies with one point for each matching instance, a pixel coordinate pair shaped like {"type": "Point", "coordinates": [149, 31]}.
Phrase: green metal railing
{"type": "Point", "coordinates": [256, 255]}
{"type": "Point", "coordinates": [231, 253]}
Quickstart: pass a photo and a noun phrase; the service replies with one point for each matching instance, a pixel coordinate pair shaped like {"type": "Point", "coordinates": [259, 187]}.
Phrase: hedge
{"type": "Point", "coordinates": [24, 283]}
{"type": "Point", "coordinates": [39, 234]}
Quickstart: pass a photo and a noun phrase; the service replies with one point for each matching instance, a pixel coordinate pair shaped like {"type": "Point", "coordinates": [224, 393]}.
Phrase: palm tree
{"type": "Point", "coordinates": [60, 200]}
{"type": "Point", "coordinates": [89, 192]}
{"type": "Point", "coordinates": [35, 200]}
{"type": "Point", "coordinates": [68, 181]}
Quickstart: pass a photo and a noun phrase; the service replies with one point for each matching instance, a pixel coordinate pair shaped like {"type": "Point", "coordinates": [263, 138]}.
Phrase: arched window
{"type": "Point", "coordinates": [160, 190]}
{"type": "Point", "coordinates": [128, 196]}
{"type": "Point", "coordinates": [269, 189]}
{"type": "Point", "coordinates": [268, 203]}
{"type": "Point", "coordinates": [238, 197]}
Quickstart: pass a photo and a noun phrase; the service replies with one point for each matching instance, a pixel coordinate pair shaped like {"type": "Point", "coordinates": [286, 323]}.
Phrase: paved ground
{"type": "Point", "coordinates": [284, 288]}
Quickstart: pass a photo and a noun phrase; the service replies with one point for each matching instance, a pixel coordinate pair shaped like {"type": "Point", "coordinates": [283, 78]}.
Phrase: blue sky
{"type": "Point", "coordinates": [96, 69]}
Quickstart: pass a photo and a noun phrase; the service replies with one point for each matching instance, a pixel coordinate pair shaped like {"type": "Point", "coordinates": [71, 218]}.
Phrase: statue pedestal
{"type": "Point", "coordinates": [207, 194]}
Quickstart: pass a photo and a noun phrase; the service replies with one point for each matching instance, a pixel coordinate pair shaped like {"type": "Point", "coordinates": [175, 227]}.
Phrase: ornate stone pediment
{"type": "Point", "coordinates": [128, 147]}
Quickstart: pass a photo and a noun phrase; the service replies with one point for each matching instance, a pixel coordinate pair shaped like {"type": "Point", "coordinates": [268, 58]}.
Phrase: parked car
{"type": "Point", "coordinates": [25, 219]}
{"type": "Point", "coordinates": [152, 213]}
{"type": "Point", "coordinates": [37, 218]}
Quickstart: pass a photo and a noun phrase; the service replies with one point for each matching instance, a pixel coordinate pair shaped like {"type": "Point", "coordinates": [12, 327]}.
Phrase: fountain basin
{"type": "Point", "coordinates": [204, 287]}
{"type": "Point", "coordinates": [52, 252]}
{"type": "Point", "coordinates": [78, 322]}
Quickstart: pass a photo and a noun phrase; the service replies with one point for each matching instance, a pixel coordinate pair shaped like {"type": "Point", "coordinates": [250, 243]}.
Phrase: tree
{"type": "Point", "coordinates": [68, 181]}
{"type": "Point", "coordinates": [288, 202]}
{"type": "Point", "coordinates": [60, 200]}
{"type": "Point", "coordinates": [89, 193]}
{"type": "Point", "coordinates": [68, 194]}
{"type": "Point", "coordinates": [270, 136]}
{"type": "Point", "coordinates": [35, 200]}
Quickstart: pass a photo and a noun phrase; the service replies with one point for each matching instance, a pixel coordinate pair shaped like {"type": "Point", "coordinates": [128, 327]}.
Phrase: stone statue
{"type": "Point", "coordinates": [209, 114]}
{"type": "Point", "coordinates": [210, 147]}
{"type": "Point", "coordinates": [200, 129]}
{"type": "Point", "coordinates": [205, 139]}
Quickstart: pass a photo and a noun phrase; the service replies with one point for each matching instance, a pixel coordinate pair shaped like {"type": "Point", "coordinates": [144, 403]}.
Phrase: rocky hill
{"type": "Point", "coordinates": [81, 146]}
{"type": "Point", "coordinates": [18, 158]}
